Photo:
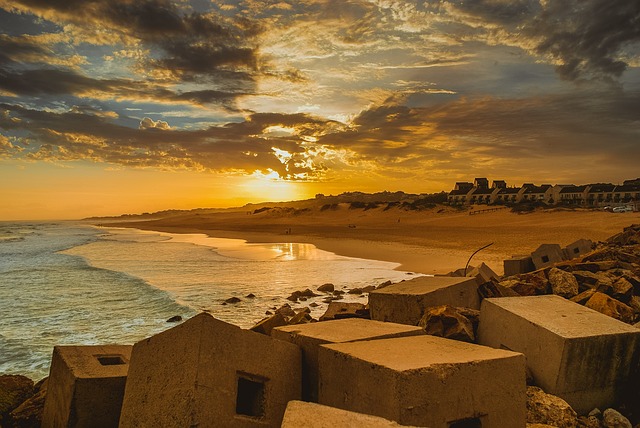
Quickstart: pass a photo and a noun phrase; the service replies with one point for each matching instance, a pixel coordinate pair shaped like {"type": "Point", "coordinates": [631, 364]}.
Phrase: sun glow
{"type": "Point", "coordinates": [270, 187]}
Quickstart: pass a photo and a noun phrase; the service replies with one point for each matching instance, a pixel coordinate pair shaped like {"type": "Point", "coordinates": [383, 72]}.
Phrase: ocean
{"type": "Point", "coordinates": [67, 283]}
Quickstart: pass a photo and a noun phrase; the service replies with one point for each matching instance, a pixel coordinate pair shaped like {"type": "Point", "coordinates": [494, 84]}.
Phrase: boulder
{"type": "Point", "coordinates": [299, 295]}
{"type": "Point", "coordinates": [232, 300]}
{"type": "Point", "coordinates": [267, 324]}
{"type": "Point", "coordinates": [355, 291]}
{"type": "Point", "coordinates": [604, 284]}
{"type": "Point", "coordinates": [613, 419]}
{"type": "Point", "coordinates": [583, 297]}
{"type": "Point", "coordinates": [585, 279]}
{"type": "Point", "coordinates": [368, 289]}
{"type": "Point", "coordinates": [445, 321]}
{"type": "Point", "coordinates": [175, 318]}
{"type": "Point", "coordinates": [622, 290]}
{"type": "Point", "coordinates": [630, 235]}
{"type": "Point", "coordinates": [339, 310]}
{"type": "Point", "coordinates": [634, 304]}
{"type": "Point", "coordinates": [563, 283]}
{"type": "Point", "coordinates": [543, 408]}
{"type": "Point", "coordinates": [531, 284]}
{"type": "Point", "coordinates": [326, 288]}
{"type": "Point", "coordinates": [588, 422]}
{"type": "Point", "coordinates": [286, 311]}
{"type": "Point", "coordinates": [29, 413]}
{"type": "Point", "coordinates": [586, 267]}
{"type": "Point", "coordinates": [609, 306]}
{"type": "Point", "coordinates": [301, 317]}
{"type": "Point", "coordinates": [384, 284]}
{"type": "Point", "coordinates": [494, 289]}
{"type": "Point", "coordinates": [14, 390]}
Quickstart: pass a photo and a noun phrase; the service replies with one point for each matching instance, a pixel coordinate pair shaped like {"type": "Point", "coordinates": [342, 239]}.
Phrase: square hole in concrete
{"type": "Point", "coordinates": [250, 396]}
{"type": "Point", "coordinates": [466, 423]}
{"type": "Point", "coordinates": [545, 259]}
{"type": "Point", "coordinates": [110, 360]}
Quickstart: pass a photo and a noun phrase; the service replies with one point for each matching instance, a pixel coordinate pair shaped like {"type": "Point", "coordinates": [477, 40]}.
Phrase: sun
{"type": "Point", "coordinates": [265, 187]}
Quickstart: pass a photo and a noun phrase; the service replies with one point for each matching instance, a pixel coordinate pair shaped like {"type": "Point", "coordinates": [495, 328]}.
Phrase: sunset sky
{"type": "Point", "coordinates": [117, 106]}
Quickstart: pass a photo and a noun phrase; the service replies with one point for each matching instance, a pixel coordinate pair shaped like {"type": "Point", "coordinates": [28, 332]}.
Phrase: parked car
{"type": "Point", "coordinates": [623, 209]}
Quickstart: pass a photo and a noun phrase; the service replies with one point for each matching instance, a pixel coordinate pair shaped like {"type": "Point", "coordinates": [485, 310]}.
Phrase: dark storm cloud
{"type": "Point", "coordinates": [86, 133]}
{"type": "Point", "coordinates": [586, 37]}
{"type": "Point", "coordinates": [51, 82]}
{"type": "Point", "coordinates": [189, 45]}
{"type": "Point", "coordinates": [12, 48]}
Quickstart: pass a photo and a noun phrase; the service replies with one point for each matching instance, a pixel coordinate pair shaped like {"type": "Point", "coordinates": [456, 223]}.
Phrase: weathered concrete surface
{"type": "Point", "coordinates": [208, 373]}
{"type": "Point", "coordinates": [573, 352]}
{"type": "Point", "coordinates": [518, 264]}
{"type": "Point", "coordinates": [577, 249]}
{"type": "Point", "coordinates": [311, 415]}
{"type": "Point", "coordinates": [405, 302]}
{"type": "Point", "coordinates": [309, 337]}
{"type": "Point", "coordinates": [547, 255]}
{"type": "Point", "coordinates": [86, 386]}
{"type": "Point", "coordinates": [425, 381]}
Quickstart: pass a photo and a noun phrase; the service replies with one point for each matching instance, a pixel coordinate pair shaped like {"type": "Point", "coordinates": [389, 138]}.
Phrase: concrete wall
{"type": "Point", "coordinates": [425, 381]}
{"type": "Point", "coordinates": [309, 337]}
{"type": "Point", "coordinates": [579, 354]}
{"type": "Point", "coordinates": [405, 302]}
{"type": "Point", "coordinates": [86, 386]}
{"type": "Point", "coordinates": [208, 373]}
{"type": "Point", "coordinates": [311, 415]}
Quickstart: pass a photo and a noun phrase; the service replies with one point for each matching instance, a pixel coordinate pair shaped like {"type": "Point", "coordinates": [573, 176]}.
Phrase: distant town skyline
{"type": "Point", "coordinates": [123, 106]}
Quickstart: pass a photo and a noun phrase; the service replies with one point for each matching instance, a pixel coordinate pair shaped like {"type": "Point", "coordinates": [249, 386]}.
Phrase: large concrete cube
{"type": "Point", "coordinates": [517, 265]}
{"type": "Point", "coordinates": [208, 373]}
{"type": "Point", "coordinates": [86, 386]}
{"type": "Point", "coordinates": [310, 336]}
{"type": "Point", "coordinates": [547, 255]}
{"type": "Point", "coordinates": [405, 302]}
{"type": "Point", "coordinates": [425, 381]}
{"type": "Point", "coordinates": [573, 352]}
{"type": "Point", "coordinates": [311, 415]}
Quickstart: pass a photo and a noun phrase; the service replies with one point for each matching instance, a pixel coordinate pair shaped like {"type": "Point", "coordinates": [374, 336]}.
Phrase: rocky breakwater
{"type": "Point", "coordinates": [606, 279]}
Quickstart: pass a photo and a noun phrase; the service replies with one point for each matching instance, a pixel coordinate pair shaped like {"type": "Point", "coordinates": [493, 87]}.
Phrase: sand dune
{"type": "Point", "coordinates": [431, 241]}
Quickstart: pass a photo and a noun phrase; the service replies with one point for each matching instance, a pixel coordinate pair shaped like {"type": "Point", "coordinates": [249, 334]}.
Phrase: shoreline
{"type": "Point", "coordinates": [424, 242]}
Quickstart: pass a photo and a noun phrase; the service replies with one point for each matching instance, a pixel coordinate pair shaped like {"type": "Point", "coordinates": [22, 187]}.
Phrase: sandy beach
{"type": "Point", "coordinates": [433, 241]}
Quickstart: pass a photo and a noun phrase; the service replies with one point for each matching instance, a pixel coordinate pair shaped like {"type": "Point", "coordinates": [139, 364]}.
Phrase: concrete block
{"type": "Point", "coordinates": [405, 302]}
{"type": "Point", "coordinates": [577, 249]}
{"type": "Point", "coordinates": [425, 381]}
{"type": "Point", "coordinates": [311, 415]}
{"type": "Point", "coordinates": [547, 255]}
{"type": "Point", "coordinates": [208, 373]}
{"type": "Point", "coordinates": [517, 265]}
{"type": "Point", "coordinates": [86, 386]}
{"type": "Point", "coordinates": [576, 353]}
{"type": "Point", "coordinates": [309, 337]}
